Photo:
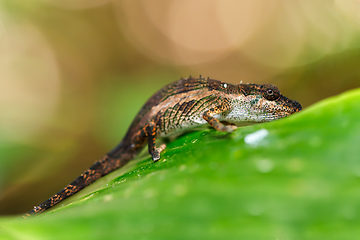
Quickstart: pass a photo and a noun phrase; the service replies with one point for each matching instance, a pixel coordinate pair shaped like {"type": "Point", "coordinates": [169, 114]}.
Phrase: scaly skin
{"type": "Point", "coordinates": [178, 107]}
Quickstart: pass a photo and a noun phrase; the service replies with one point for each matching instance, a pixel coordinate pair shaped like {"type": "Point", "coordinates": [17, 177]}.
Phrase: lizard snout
{"type": "Point", "coordinates": [296, 106]}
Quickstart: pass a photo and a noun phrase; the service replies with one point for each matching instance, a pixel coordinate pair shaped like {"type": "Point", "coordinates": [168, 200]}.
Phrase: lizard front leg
{"type": "Point", "coordinates": [153, 150]}
{"type": "Point", "coordinates": [214, 122]}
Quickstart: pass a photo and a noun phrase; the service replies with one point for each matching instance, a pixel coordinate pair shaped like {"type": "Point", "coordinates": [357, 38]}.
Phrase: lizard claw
{"type": "Point", "coordinates": [155, 156]}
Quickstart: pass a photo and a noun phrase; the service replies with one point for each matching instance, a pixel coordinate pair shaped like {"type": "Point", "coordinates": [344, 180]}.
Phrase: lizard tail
{"type": "Point", "coordinates": [100, 168]}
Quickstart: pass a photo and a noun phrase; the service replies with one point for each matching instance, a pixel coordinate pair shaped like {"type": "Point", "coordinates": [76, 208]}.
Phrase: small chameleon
{"type": "Point", "coordinates": [177, 107]}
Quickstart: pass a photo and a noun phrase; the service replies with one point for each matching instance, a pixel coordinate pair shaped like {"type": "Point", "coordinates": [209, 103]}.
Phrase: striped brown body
{"type": "Point", "coordinates": [179, 106]}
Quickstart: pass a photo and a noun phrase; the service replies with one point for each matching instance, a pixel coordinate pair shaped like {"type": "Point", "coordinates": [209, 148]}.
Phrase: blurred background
{"type": "Point", "coordinates": [74, 73]}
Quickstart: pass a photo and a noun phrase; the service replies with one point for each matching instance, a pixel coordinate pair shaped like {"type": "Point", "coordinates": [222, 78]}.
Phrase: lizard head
{"type": "Point", "coordinates": [262, 103]}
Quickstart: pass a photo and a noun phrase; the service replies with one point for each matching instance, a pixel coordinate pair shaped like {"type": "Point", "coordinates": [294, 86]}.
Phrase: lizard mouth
{"type": "Point", "coordinates": [287, 108]}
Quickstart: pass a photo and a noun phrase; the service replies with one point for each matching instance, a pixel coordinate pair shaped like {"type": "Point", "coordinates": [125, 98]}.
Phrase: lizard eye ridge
{"type": "Point", "coordinates": [271, 93]}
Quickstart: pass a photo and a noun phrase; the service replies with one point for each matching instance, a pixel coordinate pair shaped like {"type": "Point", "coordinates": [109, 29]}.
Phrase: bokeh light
{"type": "Point", "coordinates": [29, 81]}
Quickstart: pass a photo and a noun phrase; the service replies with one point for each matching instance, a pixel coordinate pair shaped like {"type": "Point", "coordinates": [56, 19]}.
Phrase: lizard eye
{"type": "Point", "coordinates": [271, 93]}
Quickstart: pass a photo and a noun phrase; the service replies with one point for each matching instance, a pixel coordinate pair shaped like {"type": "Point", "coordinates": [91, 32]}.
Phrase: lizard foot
{"type": "Point", "coordinates": [156, 154]}
{"type": "Point", "coordinates": [228, 128]}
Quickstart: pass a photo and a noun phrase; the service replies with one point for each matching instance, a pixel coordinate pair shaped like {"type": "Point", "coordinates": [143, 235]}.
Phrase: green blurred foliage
{"type": "Point", "coordinates": [299, 180]}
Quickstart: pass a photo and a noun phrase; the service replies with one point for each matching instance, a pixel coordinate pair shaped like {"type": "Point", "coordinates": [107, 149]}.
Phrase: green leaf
{"type": "Point", "coordinates": [295, 178]}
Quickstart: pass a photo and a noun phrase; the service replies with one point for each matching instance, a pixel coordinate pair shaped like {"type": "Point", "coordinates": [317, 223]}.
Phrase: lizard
{"type": "Point", "coordinates": [177, 107]}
